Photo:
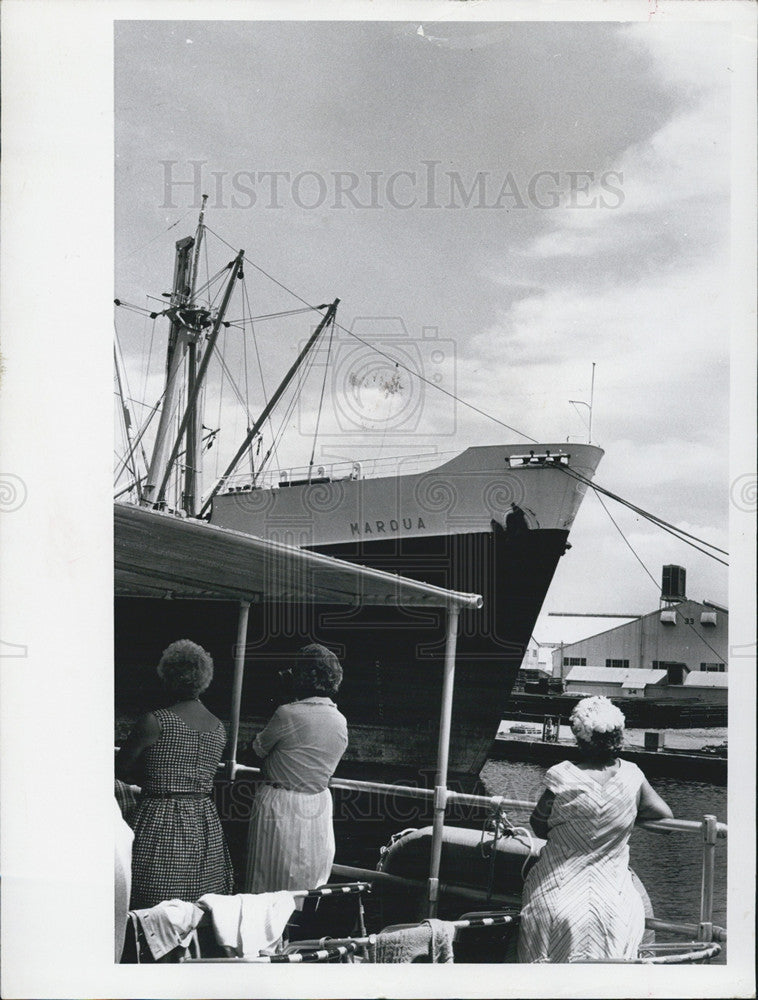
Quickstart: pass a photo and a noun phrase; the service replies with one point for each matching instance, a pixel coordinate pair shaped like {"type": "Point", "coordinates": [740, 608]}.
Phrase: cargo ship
{"type": "Point", "coordinates": [493, 520]}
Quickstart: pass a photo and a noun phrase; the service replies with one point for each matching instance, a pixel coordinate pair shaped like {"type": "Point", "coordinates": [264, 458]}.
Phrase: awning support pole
{"type": "Point", "coordinates": [239, 669]}
{"type": "Point", "coordinates": [443, 750]}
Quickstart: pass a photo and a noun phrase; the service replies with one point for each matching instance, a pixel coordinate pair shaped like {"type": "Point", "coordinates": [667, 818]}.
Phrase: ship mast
{"type": "Point", "coordinates": [188, 325]}
{"type": "Point", "coordinates": [199, 319]}
{"type": "Point", "coordinates": [189, 322]}
{"type": "Point", "coordinates": [175, 353]}
{"type": "Point", "coordinates": [193, 461]}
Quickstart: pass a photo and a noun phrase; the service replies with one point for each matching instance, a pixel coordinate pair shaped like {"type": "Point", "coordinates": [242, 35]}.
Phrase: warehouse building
{"type": "Point", "coordinates": [678, 651]}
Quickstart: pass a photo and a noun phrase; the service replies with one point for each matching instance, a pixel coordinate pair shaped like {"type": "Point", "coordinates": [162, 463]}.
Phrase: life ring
{"type": "Point", "coordinates": [467, 862]}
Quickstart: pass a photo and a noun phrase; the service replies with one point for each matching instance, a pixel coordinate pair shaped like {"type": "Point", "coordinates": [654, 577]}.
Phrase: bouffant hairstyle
{"type": "Point", "coordinates": [602, 744]}
{"type": "Point", "coordinates": [185, 669]}
{"type": "Point", "coordinates": [598, 726]}
{"type": "Point", "coordinates": [316, 671]}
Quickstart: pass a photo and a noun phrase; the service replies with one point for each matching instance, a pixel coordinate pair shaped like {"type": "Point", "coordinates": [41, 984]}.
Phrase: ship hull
{"type": "Point", "coordinates": [452, 529]}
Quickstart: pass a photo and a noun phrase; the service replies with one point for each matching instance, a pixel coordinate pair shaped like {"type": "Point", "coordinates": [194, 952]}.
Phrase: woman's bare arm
{"type": "Point", "coordinates": [541, 815]}
{"type": "Point", "coordinates": [145, 732]}
{"type": "Point", "coordinates": [650, 805]}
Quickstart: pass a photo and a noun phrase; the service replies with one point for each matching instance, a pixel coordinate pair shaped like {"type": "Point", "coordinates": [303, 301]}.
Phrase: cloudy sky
{"type": "Point", "coordinates": [507, 203]}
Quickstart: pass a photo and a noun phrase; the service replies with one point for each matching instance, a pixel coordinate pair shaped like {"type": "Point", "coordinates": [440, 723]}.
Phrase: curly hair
{"type": "Point", "coordinates": [185, 669]}
{"type": "Point", "coordinates": [316, 671]}
{"type": "Point", "coordinates": [598, 726]}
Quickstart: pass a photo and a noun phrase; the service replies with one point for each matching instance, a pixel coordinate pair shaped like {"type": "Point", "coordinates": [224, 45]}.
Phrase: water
{"type": "Point", "coordinates": [669, 865]}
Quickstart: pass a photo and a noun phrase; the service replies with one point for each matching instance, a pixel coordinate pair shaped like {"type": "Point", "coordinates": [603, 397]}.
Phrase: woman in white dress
{"type": "Point", "coordinates": [579, 901]}
{"type": "Point", "coordinates": [291, 836]}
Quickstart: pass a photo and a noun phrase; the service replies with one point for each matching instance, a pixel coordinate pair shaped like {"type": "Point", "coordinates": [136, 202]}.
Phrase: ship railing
{"type": "Point", "coordinates": [709, 829]}
{"type": "Point", "coordinates": [326, 472]}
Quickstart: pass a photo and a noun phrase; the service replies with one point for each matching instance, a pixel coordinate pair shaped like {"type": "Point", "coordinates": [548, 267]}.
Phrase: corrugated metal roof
{"type": "Point", "coordinates": [636, 678]}
{"type": "Point", "coordinates": [699, 678]}
{"type": "Point", "coordinates": [633, 677]}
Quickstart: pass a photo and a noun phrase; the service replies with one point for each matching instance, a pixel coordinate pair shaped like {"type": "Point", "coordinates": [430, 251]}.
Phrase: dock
{"type": "Point", "coordinates": [686, 765]}
{"type": "Point", "coordinates": [640, 713]}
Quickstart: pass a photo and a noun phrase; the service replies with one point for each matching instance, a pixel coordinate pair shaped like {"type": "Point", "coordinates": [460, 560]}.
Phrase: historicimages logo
{"type": "Point", "coordinates": [382, 381]}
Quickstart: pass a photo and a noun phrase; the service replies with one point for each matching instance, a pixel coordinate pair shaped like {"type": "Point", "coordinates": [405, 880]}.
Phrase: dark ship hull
{"type": "Point", "coordinates": [488, 523]}
{"type": "Point", "coordinates": [392, 657]}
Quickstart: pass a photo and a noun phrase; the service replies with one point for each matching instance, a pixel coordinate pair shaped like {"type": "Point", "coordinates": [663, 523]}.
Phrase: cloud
{"type": "Point", "coordinates": [643, 291]}
{"type": "Point", "coordinates": [661, 202]}
{"type": "Point", "coordinates": [651, 339]}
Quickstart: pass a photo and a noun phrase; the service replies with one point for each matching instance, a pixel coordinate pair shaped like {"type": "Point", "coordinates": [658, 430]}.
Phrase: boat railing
{"type": "Point", "coordinates": [327, 472]}
{"type": "Point", "coordinates": [708, 828]}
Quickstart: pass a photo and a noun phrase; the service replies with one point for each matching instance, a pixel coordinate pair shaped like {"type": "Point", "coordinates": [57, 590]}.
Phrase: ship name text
{"type": "Point", "coordinates": [382, 527]}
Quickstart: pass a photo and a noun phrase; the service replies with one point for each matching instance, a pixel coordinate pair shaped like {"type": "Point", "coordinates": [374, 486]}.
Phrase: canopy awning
{"type": "Point", "coordinates": [162, 555]}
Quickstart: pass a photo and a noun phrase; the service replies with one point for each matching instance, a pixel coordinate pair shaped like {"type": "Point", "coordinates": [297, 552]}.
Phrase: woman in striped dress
{"type": "Point", "coordinates": [291, 837]}
{"type": "Point", "coordinates": [579, 901]}
{"type": "Point", "coordinates": [179, 849]}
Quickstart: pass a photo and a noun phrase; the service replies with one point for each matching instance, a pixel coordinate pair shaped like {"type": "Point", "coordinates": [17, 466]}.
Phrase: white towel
{"type": "Point", "coordinates": [168, 925]}
{"type": "Point", "coordinates": [247, 923]}
{"type": "Point", "coordinates": [429, 941]}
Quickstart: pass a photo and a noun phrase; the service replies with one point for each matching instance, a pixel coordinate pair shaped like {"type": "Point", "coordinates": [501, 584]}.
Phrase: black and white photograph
{"type": "Point", "coordinates": [378, 499]}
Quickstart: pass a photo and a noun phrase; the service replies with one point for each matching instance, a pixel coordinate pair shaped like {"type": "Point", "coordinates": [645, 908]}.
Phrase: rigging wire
{"type": "Point", "coordinates": [434, 385]}
{"type": "Point", "coordinates": [247, 387]}
{"type": "Point", "coordinates": [220, 355]}
{"type": "Point", "coordinates": [654, 581]}
{"type": "Point", "coordinates": [145, 426]}
{"type": "Point", "coordinates": [671, 529]}
{"type": "Point", "coordinates": [246, 297]}
{"type": "Point", "coordinates": [230, 377]}
{"type": "Point", "coordinates": [383, 441]}
{"type": "Point", "coordinates": [384, 354]}
{"type": "Point", "coordinates": [137, 402]}
{"type": "Point", "coordinates": [125, 416]}
{"type": "Point", "coordinates": [149, 354]}
{"type": "Point", "coordinates": [118, 351]}
{"type": "Point", "coordinates": [156, 237]}
{"type": "Point", "coordinates": [302, 376]}
{"type": "Point", "coordinates": [276, 315]}
{"type": "Point", "coordinates": [207, 263]}
{"type": "Point", "coordinates": [219, 291]}
{"type": "Point", "coordinates": [204, 288]}
{"type": "Point", "coordinates": [679, 533]}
